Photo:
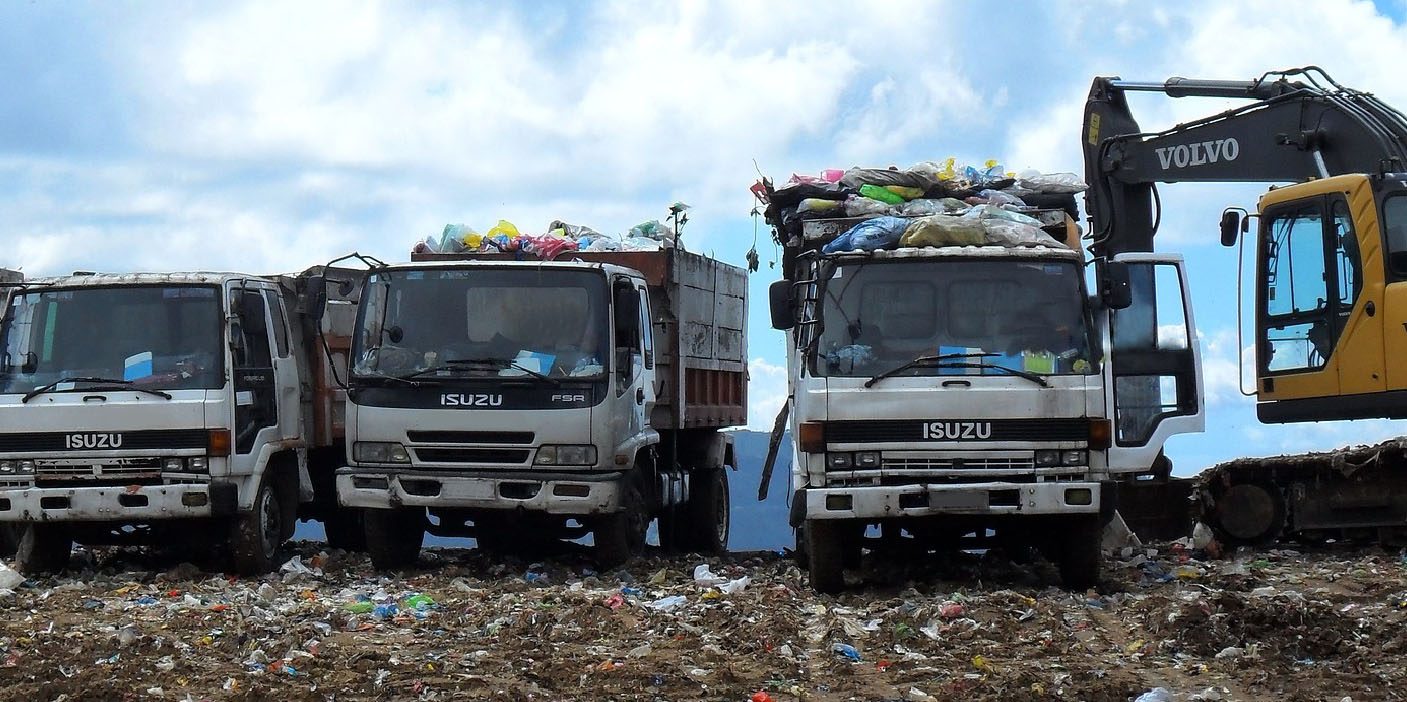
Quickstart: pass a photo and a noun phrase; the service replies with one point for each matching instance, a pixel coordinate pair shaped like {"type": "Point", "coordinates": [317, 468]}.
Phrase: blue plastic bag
{"type": "Point", "coordinates": [870, 235]}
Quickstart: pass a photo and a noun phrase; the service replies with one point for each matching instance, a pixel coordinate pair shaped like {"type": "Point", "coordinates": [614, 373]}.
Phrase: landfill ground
{"type": "Point", "coordinates": [1280, 624]}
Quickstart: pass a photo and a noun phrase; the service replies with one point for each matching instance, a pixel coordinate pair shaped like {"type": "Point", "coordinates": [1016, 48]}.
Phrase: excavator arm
{"type": "Point", "coordinates": [1290, 131]}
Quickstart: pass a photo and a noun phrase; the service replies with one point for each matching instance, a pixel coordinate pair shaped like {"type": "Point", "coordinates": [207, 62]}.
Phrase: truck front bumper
{"type": "Point", "coordinates": [884, 502]}
{"type": "Point", "coordinates": [549, 493]}
{"type": "Point", "coordinates": [136, 503]}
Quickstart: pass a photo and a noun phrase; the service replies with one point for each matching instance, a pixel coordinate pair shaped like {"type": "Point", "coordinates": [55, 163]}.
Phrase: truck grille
{"type": "Point", "coordinates": [471, 455]}
{"type": "Point", "coordinates": [912, 430]}
{"type": "Point", "coordinates": [951, 468]}
{"type": "Point", "coordinates": [113, 470]}
{"type": "Point", "coordinates": [153, 439]}
{"type": "Point", "coordinates": [470, 437]}
{"type": "Point", "coordinates": [948, 464]}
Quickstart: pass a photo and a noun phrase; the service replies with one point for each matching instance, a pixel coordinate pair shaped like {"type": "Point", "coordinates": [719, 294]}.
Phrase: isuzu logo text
{"type": "Point", "coordinates": [1198, 153]}
{"type": "Point", "coordinates": [92, 441]}
{"type": "Point", "coordinates": [463, 399]}
{"type": "Point", "coordinates": [957, 430]}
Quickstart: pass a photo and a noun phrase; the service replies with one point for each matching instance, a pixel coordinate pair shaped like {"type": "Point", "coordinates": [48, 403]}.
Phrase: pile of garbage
{"type": "Point", "coordinates": [927, 204]}
{"type": "Point", "coordinates": [1268, 624]}
{"type": "Point", "coordinates": [559, 238]}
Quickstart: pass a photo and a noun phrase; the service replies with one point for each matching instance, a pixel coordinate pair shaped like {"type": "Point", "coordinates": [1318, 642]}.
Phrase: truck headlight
{"type": "Point", "coordinates": [1074, 458]}
{"type": "Point", "coordinates": [24, 467]}
{"type": "Point", "coordinates": [379, 452]}
{"type": "Point", "coordinates": [173, 465]}
{"type": "Point", "coordinates": [196, 465]}
{"type": "Point", "coordinates": [7, 466]}
{"type": "Point", "coordinates": [1046, 458]}
{"type": "Point", "coordinates": [838, 461]}
{"type": "Point", "coordinates": [566, 455]}
{"type": "Point", "coordinates": [867, 459]}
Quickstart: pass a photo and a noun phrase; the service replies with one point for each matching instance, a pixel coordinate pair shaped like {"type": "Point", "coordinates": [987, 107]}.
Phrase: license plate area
{"type": "Point", "coordinates": [958, 499]}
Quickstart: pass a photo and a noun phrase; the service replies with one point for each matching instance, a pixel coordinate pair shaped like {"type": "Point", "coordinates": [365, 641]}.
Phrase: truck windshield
{"type": "Point", "coordinates": [155, 337]}
{"type": "Point", "coordinates": [990, 316]}
{"type": "Point", "coordinates": [454, 323]}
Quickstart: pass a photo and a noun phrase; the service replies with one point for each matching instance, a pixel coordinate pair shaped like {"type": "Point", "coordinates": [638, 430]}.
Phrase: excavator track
{"type": "Point", "coordinates": [1357, 494]}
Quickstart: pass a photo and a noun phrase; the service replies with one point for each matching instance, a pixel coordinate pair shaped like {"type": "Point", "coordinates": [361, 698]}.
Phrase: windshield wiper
{"type": "Point", "coordinates": [384, 376]}
{"type": "Point", "coordinates": [501, 363]}
{"type": "Point", "coordinates": [923, 361]}
{"type": "Point", "coordinates": [123, 384]}
{"type": "Point", "coordinates": [1033, 377]}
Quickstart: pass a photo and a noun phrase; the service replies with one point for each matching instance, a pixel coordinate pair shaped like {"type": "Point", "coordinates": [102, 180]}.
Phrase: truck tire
{"type": "Point", "coordinates": [343, 528]}
{"type": "Point", "coordinates": [43, 549]}
{"type": "Point", "coordinates": [1250, 513]}
{"type": "Point", "coordinates": [709, 517]}
{"type": "Point", "coordinates": [1080, 552]}
{"type": "Point", "coordinates": [827, 541]}
{"type": "Point", "coordinates": [672, 529]}
{"type": "Point", "coordinates": [256, 537]}
{"type": "Point", "coordinates": [394, 536]}
{"type": "Point", "coordinates": [621, 536]}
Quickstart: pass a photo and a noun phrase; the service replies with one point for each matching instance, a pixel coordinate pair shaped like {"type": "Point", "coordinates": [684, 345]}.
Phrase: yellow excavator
{"type": "Point", "coordinates": [1330, 279]}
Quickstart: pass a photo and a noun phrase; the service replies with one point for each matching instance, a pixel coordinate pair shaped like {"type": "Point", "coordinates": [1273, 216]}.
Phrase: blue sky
{"type": "Point", "coordinates": [267, 137]}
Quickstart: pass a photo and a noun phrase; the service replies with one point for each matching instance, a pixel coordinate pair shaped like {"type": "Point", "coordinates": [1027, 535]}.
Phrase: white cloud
{"type": "Point", "coordinates": [767, 392]}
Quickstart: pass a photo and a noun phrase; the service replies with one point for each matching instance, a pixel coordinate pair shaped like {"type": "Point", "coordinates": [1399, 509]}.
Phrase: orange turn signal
{"type": "Point", "coordinates": [1100, 433]}
{"type": "Point", "coordinates": [811, 437]}
{"type": "Point", "coordinates": [218, 442]}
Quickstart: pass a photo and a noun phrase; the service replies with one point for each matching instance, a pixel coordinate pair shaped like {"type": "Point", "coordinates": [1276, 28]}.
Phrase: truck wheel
{"type": "Point", "coordinates": [709, 516]}
{"type": "Point", "coordinates": [827, 541]}
{"type": "Point", "coordinates": [343, 527]}
{"type": "Point", "coordinates": [620, 536]}
{"type": "Point", "coordinates": [1250, 513]}
{"type": "Point", "coordinates": [393, 536]}
{"type": "Point", "coordinates": [1080, 554]}
{"type": "Point", "coordinates": [43, 549]}
{"type": "Point", "coordinates": [803, 559]}
{"type": "Point", "coordinates": [256, 537]}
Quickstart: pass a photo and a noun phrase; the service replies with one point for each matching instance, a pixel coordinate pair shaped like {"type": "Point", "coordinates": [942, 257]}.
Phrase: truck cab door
{"type": "Point", "coordinates": [287, 384]}
{"type": "Point", "coordinates": [256, 413]}
{"type": "Point", "coordinates": [627, 361]}
{"type": "Point", "coordinates": [647, 335]}
{"type": "Point", "coordinates": [1153, 373]}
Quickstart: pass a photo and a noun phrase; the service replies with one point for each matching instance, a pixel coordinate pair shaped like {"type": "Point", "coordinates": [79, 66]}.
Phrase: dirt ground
{"type": "Point", "coordinates": [1324, 624]}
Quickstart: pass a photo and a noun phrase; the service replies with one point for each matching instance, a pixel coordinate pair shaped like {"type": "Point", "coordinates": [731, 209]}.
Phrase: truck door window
{"type": "Point", "coordinates": [255, 395]}
{"type": "Point", "coordinates": [627, 335]}
{"type": "Point", "coordinates": [647, 330]}
{"type": "Point", "coordinates": [1295, 291]}
{"type": "Point", "coordinates": [278, 322]}
{"type": "Point", "coordinates": [1395, 233]}
{"type": "Point", "coordinates": [1152, 361]}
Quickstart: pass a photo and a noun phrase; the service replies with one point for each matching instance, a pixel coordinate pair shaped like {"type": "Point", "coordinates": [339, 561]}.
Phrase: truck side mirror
{"type": "Point", "coordinates": [783, 305]}
{"type": "Point", "coordinates": [1114, 287]}
{"type": "Point", "coordinates": [1230, 226]}
{"type": "Point", "coordinates": [317, 297]}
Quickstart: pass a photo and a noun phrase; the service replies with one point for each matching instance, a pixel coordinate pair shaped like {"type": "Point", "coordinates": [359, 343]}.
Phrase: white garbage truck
{"type": "Point", "coordinates": [521, 402]}
{"type": "Point", "coordinates": [948, 393]}
{"type": "Point", "coordinates": [173, 409]}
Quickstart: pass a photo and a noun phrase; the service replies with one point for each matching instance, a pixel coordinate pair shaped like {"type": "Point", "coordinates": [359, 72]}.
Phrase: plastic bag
{"type": "Point", "coordinates": [547, 245]}
{"type": "Point", "coordinates": [856, 177]}
{"type": "Point", "coordinates": [864, 206]}
{"type": "Point", "coordinates": [1007, 233]}
{"type": "Point", "coordinates": [815, 204]}
{"type": "Point", "coordinates": [876, 192]}
{"type": "Point", "coordinates": [1000, 198]}
{"type": "Point", "coordinates": [921, 207]}
{"type": "Point", "coordinates": [869, 235]}
{"type": "Point", "coordinates": [652, 230]}
{"type": "Point", "coordinates": [991, 212]}
{"type": "Point", "coordinates": [505, 228]}
{"type": "Point", "coordinates": [501, 242]}
{"type": "Point", "coordinates": [944, 230]}
{"type": "Point", "coordinates": [905, 192]}
{"type": "Point", "coordinates": [640, 243]}
{"type": "Point", "coordinates": [1051, 182]}
{"type": "Point", "coordinates": [571, 231]}
{"type": "Point", "coordinates": [428, 244]}
{"type": "Point", "coordinates": [598, 243]}
{"type": "Point", "coordinates": [832, 175]}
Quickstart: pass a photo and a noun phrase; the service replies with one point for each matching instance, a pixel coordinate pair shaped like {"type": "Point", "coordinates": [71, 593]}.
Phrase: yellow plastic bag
{"type": "Point", "coordinates": [505, 228]}
{"type": "Point", "coordinates": [473, 241]}
{"type": "Point", "coordinates": [944, 230]}
{"type": "Point", "coordinates": [904, 191]}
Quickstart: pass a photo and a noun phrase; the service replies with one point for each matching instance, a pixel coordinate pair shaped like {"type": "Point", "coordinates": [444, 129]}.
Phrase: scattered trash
{"type": "Point", "coordinates": [665, 604]}
{"type": "Point", "coordinates": [846, 650]}
{"type": "Point", "coordinates": [1157, 694]}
